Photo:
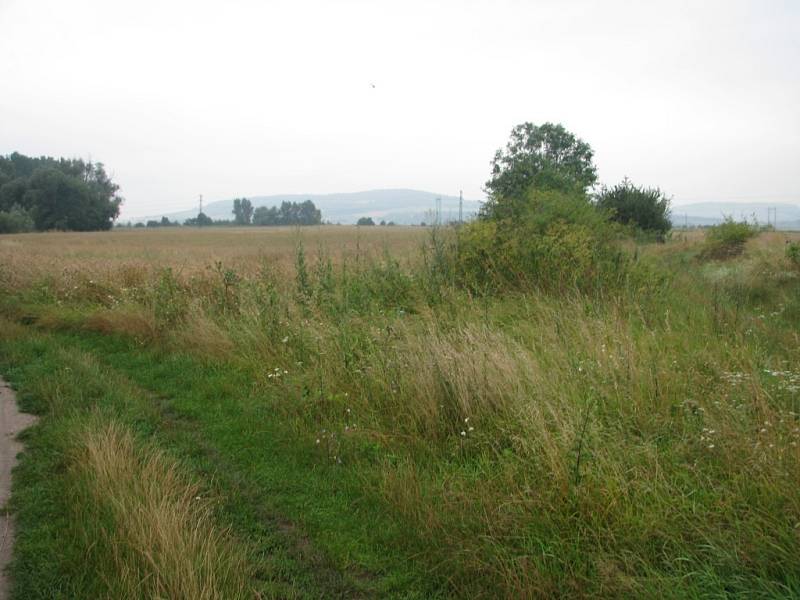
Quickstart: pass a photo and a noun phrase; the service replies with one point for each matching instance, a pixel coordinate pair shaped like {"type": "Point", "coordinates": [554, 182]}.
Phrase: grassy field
{"type": "Point", "coordinates": [324, 413]}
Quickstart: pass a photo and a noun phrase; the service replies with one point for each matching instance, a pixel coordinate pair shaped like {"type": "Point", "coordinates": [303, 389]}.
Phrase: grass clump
{"type": "Point", "coordinates": [149, 523]}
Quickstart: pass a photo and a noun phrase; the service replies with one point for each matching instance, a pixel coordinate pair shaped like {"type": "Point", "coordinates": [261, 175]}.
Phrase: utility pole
{"type": "Point", "coordinates": [200, 212]}
{"type": "Point", "coordinates": [460, 206]}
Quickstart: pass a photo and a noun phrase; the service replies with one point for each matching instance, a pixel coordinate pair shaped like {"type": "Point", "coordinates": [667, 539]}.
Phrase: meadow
{"type": "Point", "coordinates": [330, 412]}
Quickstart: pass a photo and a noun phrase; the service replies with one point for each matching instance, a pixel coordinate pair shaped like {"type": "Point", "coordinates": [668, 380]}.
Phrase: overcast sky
{"type": "Point", "coordinates": [235, 98]}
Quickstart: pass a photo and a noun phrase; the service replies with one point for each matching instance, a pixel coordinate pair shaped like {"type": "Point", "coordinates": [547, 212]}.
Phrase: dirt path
{"type": "Point", "coordinates": [11, 423]}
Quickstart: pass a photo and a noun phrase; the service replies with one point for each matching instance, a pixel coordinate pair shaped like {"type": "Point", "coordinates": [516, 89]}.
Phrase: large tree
{"type": "Point", "coordinates": [544, 157]}
{"type": "Point", "coordinates": [69, 194]}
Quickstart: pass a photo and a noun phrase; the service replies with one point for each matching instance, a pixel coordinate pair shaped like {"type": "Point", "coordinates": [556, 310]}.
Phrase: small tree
{"type": "Point", "coordinates": [645, 208]}
{"type": "Point", "coordinates": [365, 221]}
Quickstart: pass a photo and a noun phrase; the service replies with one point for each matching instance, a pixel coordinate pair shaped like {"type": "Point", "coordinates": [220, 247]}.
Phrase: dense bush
{"type": "Point", "coordinates": [644, 208]}
{"type": "Point", "coordinates": [727, 239]}
{"type": "Point", "coordinates": [15, 220]}
{"type": "Point", "coordinates": [555, 241]}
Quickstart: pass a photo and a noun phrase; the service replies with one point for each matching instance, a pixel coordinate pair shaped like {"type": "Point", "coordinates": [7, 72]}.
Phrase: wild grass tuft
{"type": "Point", "coordinates": [152, 526]}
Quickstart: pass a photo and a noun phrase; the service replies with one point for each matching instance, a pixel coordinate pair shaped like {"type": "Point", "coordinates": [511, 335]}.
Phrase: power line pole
{"type": "Point", "coordinates": [199, 220]}
{"type": "Point", "coordinates": [460, 206]}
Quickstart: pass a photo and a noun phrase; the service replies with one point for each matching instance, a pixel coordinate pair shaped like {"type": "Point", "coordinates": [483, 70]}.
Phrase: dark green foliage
{"type": "Point", "coordinates": [201, 220]}
{"type": "Point", "coordinates": [727, 239]}
{"type": "Point", "coordinates": [15, 220]}
{"type": "Point", "coordinates": [242, 211]}
{"type": "Point", "coordinates": [66, 194]}
{"type": "Point", "coordinates": [545, 157]}
{"type": "Point", "coordinates": [289, 213]}
{"type": "Point", "coordinates": [629, 204]}
{"type": "Point", "coordinates": [365, 221]}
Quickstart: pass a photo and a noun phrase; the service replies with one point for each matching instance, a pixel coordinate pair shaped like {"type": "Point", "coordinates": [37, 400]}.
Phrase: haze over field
{"type": "Point", "coordinates": [186, 98]}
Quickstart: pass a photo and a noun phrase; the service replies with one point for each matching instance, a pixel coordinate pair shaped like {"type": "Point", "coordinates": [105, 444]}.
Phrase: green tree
{"type": "Point", "coordinates": [242, 211]}
{"type": "Point", "coordinates": [289, 213]}
{"type": "Point", "coordinates": [645, 208]}
{"type": "Point", "coordinates": [543, 157]}
{"type": "Point", "coordinates": [59, 193]}
{"type": "Point", "coordinates": [58, 201]}
{"type": "Point", "coordinates": [365, 221]}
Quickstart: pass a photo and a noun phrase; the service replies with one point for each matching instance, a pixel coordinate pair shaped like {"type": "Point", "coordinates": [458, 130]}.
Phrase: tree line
{"type": "Point", "coordinates": [45, 193]}
{"type": "Point", "coordinates": [244, 213]}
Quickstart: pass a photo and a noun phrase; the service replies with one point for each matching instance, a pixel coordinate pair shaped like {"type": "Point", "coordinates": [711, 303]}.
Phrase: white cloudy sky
{"type": "Point", "coordinates": [237, 98]}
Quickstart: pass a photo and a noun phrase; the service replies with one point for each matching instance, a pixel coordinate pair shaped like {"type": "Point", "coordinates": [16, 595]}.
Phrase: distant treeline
{"type": "Point", "coordinates": [39, 194]}
{"type": "Point", "coordinates": [288, 213]}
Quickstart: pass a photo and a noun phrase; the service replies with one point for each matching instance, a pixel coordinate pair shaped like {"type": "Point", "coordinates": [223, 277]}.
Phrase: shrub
{"type": "Point", "coordinates": [644, 208]}
{"type": "Point", "coordinates": [793, 253]}
{"type": "Point", "coordinates": [15, 220]}
{"type": "Point", "coordinates": [727, 239]}
{"type": "Point", "coordinates": [558, 241]}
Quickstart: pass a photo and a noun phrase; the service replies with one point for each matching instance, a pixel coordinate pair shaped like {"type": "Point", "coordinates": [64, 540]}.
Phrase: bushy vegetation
{"type": "Point", "coordinates": [49, 193]}
{"type": "Point", "coordinates": [553, 441]}
{"type": "Point", "coordinates": [727, 239]}
{"type": "Point", "coordinates": [644, 208]}
{"type": "Point", "coordinates": [549, 240]}
{"type": "Point", "coordinates": [16, 220]}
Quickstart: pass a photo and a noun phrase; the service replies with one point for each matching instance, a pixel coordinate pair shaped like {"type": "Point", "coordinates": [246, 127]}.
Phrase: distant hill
{"type": "Point", "coordinates": [712, 213]}
{"type": "Point", "coordinates": [399, 205]}
{"type": "Point", "coordinates": [405, 206]}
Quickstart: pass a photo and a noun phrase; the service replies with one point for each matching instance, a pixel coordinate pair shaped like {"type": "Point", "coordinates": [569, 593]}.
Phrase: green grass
{"type": "Point", "coordinates": [368, 430]}
{"type": "Point", "coordinates": [273, 494]}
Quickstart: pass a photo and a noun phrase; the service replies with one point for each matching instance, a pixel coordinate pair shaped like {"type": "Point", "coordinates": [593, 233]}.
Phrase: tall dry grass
{"type": "Point", "coordinates": [153, 525]}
